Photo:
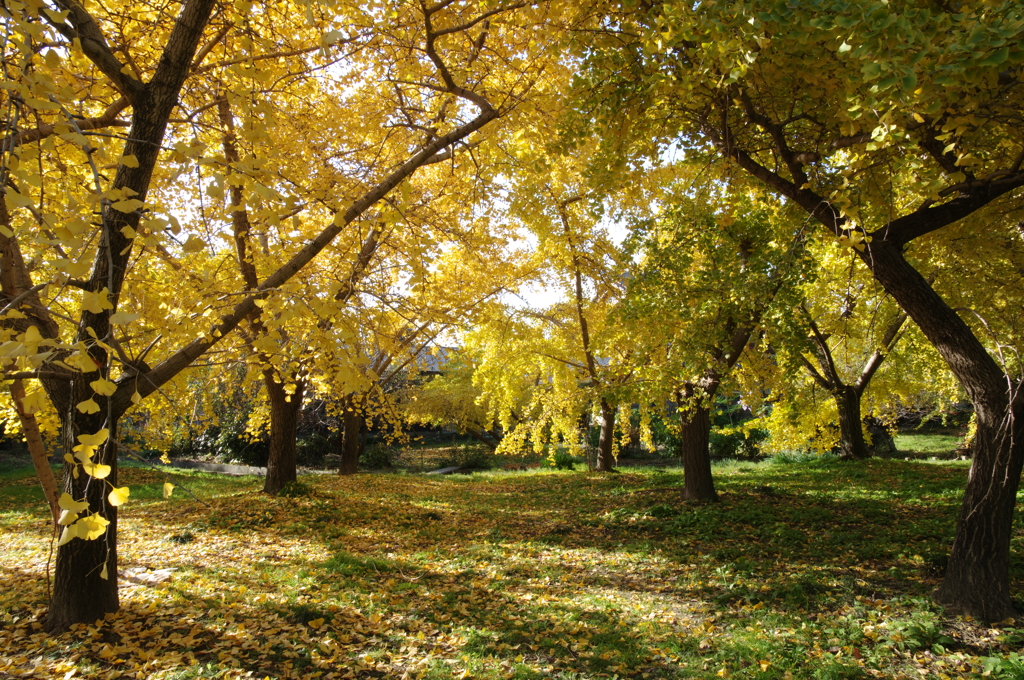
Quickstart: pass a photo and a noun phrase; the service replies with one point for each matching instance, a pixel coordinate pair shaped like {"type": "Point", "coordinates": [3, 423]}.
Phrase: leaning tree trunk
{"type": "Point", "coordinates": [851, 433]}
{"type": "Point", "coordinates": [695, 452]}
{"type": "Point", "coordinates": [350, 441]}
{"type": "Point", "coordinates": [36, 448]}
{"type": "Point", "coordinates": [977, 576]}
{"type": "Point", "coordinates": [284, 422]}
{"type": "Point", "coordinates": [976, 580]}
{"type": "Point", "coordinates": [605, 445]}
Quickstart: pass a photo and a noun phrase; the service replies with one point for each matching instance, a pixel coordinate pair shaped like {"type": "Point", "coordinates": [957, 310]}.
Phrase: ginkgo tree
{"type": "Point", "coordinates": [893, 125]}
{"type": "Point", "coordinates": [710, 266]}
{"type": "Point", "coordinates": [842, 331]}
{"type": "Point", "coordinates": [102, 108]}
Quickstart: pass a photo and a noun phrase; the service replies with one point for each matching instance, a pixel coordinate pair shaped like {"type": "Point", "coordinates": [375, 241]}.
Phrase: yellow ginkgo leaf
{"type": "Point", "coordinates": [97, 470]}
{"type": "Point", "coordinates": [118, 495]}
{"type": "Point", "coordinates": [67, 534]}
{"type": "Point", "coordinates": [88, 406]}
{"type": "Point", "coordinates": [193, 245]}
{"type": "Point", "coordinates": [104, 574]}
{"type": "Point", "coordinates": [31, 336]}
{"type": "Point", "coordinates": [129, 161]}
{"type": "Point", "coordinates": [103, 386]}
{"type": "Point", "coordinates": [316, 623]}
{"type": "Point", "coordinates": [168, 489]}
{"type": "Point", "coordinates": [97, 439]}
{"type": "Point", "coordinates": [66, 502]}
{"type": "Point", "coordinates": [122, 318]}
{"type": "Point", "coordinates": [93, 526]}
{"type": "Point", "coordinates": [67, 517]}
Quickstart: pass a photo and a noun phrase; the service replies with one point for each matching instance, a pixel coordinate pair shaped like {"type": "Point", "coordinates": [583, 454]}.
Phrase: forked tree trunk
{"type": "Point", "coordinates": [695, 452]}
{"type": "Point", "coordinates": [605, 445]}
{"type": "Point", "coordinates": [851, 432]}
{"type": "Point", "coordinates": [284, 422]}
{"type": "Point", "coordinates": [350, 441]}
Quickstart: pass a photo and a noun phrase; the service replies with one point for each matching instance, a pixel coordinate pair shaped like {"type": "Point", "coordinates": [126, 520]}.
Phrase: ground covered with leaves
{"type": "Point", "coordinates": [803, 570]}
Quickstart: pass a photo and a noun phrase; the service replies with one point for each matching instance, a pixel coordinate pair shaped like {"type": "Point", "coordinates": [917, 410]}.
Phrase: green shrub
{"type": "Point", "coordinates": [377, 456]}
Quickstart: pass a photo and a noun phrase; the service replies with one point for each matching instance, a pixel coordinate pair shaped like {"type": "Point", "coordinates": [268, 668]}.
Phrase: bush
{"type": "Point", "coordinates": [469, 458]}
{"type": "Point", "coordinates": [563, 461]}
{"type": "Point", "coordinates": [377, 456]}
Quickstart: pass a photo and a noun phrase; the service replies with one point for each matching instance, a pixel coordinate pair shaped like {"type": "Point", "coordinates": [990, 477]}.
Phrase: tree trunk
{"type": "Point", "coordinates": [284, 421]}
{"type": "Point", "coordinates": [350, 440]}
{"type": "Point", "coordinates": [851, 433]}
{"type": "Point", "coordinates": [85, 574]}
{"type": "Point", "coordinates": [605, 455]}
{"type": "Point", "coordinates": [695, 452]}
{"type": "Point", "coordinates": [977, 576]}
{"type": "Point", "coordinates": [34, 439]}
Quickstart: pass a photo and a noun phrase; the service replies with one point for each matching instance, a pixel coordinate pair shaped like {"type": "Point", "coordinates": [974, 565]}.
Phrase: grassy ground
{"type": "Point", "coordinates": [937, 444]}
{"type": "Point", "coordinates": [818, 569]}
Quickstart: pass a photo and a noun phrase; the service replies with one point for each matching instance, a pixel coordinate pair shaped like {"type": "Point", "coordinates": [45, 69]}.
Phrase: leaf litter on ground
{"type": "Point", "coordinates": [813, 570]}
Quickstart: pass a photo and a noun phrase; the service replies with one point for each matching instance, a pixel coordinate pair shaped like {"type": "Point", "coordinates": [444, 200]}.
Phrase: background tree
{"type": "Point", "coordinates": [108, 230]}
{"type": "Point", "coordinates": [887, 123]}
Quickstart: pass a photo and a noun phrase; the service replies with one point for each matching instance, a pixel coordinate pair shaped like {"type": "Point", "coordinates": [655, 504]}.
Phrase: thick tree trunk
{"type": "Point", "coordinates": [85, 574]}
{"type": "Point", "coordinates": [350, 442]}
{"type": "Point", "coordinates": [284, 421]}
{"type": "Point", "coordinates": [851, 433]}
{"type": "Point", "coordinates": [605, 445]}
{"type": "Point", "coordinates": [977, 576]}
{"type": "Point", "coordinates": [976, 581]}
{"type": "Point", "coordinates": [695, 452]}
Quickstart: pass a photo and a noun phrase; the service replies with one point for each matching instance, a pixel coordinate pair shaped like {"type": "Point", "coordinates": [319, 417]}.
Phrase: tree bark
{"type": "Point", "coordinates": [605, 445]}
{"type": "Point", "coordinates": [976, 582]}
{"type": "Point", "coordinates": [82, 592]}
{"type": "Point", "coordinates": [284, 421]}
{"type": "Point", "coordinates": [34, 439]}
{"type": "Point", "coordinates": [977, 576]}
{"type": "Point", "coordinates": [851, 433]}
{"type": "Point", "coordinates": [695, 452]}
{"type": "Point", "coordinates": [350, 440]}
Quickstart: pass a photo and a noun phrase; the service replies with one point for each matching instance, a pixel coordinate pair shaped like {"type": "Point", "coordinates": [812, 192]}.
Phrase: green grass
{"type": "Point", "coordinates": [817, 569]}
{"type": "Point", "coordinates": [932, 444]}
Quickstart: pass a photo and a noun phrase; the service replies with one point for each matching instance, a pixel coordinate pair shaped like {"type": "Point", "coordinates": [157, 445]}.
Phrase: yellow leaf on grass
{"type": "Point", "coordinates": [315, 624]}
{"type": "Point", "coordinates": [168, 489]}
